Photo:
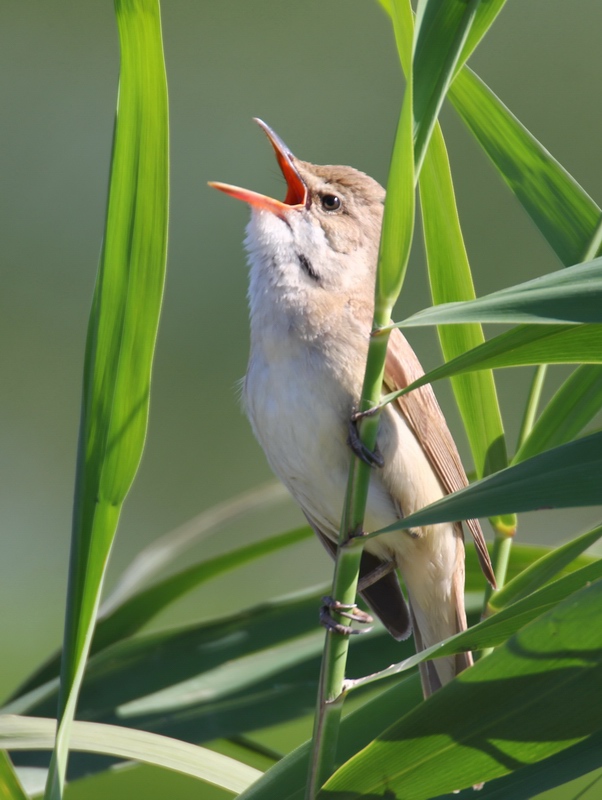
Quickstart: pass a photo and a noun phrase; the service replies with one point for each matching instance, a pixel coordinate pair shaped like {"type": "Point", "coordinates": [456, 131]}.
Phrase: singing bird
{"type": "Point", "coordinates": [312, 260]}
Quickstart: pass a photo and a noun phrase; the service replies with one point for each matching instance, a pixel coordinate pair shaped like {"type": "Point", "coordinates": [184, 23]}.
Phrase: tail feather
{"type": "Point", "coordinates": [435, 624]}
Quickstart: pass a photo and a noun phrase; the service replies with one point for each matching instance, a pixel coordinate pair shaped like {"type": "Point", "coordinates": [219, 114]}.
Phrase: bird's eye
{"type": "Point", "coordinates": [330, 202]}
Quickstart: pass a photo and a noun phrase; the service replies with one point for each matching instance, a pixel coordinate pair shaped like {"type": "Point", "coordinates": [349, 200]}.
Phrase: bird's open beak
{"type": "Point", "coordinates": [296, 195]}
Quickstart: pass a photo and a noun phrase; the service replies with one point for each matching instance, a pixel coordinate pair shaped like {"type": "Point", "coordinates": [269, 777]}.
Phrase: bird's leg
{"type": "Point", "coordinates": [372, 458]}
{"type": "Point", "coordinates": [372, 577]}
{"type": "Point", "coordinates": [352, 612]}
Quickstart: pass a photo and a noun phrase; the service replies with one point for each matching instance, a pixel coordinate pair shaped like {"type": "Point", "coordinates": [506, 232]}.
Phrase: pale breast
{"type": "Point", "coordinates": [296, 411]}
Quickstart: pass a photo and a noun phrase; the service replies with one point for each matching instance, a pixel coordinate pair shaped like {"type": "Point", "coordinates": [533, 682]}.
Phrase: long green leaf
{"type": "Point", "coordinates": [146, 604]}
{"type": "Point", "coordinates": [543, 570]}
{"type": "Point", "coordinates": [121, 340]}
{"type": "Point", "coordinates": [285, 781]}
{"type": "Point", "coordinates": [450, 277]}
{"type": "Point", "coordinates": [573, 406]}
{"type": "Point", "coordinates": [494, 630]}
{"type": "Point", "coordinates": [564, 477]}
{"type": "Point", "coordinates": [522, 346]}
{"type": "Point", "coordinates": [32, 733]}
{"type": "Point", "coordinates": [441, 33]}
{"type": "Point", "coordinates": [484, 19]}
{"type": "Point", "coordinates": [530, 781]}
{"type": "Point", "coordinates": [464, 735]}
{"type": "Point", "coordinates": [559, 206]}
{"type": "Point", "coordinates": [398, 217]}
{"type": "Point", "coordinates": [522, 556]}
{"type": "Point", "coordinates": [573, 294]}
{"type": "Point", "coordinates": [119, 674]}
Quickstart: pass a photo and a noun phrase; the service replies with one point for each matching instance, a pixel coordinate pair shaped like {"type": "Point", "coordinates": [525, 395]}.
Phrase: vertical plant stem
{"type": "Point", "coordinates": [502, 544]}
{"type": "Point", "coordinates": [396, 240]}
{"type": "Point", "coordinates": [532, 404]}
{"type": "Point", "coordinates": [347, 565]}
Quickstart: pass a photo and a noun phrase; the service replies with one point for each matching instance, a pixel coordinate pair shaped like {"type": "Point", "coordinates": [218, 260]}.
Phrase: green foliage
{"type": "Point", "coordinates": [435, 748]}
{"type": "Point", "coordinates": [528, 716]}
{"type": "Point", "coordinates": [569, 295]}
{"type": "Point", "coordinates": [24, 733]}
{"type": "Point", "coordinates": [121, 341]}
{"type": "Point", "coordinates": [10, 786]}
{"type": "Point", "coordinates": [564, 477]}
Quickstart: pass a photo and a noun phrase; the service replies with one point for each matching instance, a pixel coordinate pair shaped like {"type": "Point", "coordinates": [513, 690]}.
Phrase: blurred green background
{"type": "Point", "coordinates": [326, 77]}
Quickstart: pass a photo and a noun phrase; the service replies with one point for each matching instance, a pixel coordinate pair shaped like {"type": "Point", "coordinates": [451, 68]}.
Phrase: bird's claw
{"type": "Point", "coordinates": [351, 612]}
{"type": "Point", "coordinates": [369, 457]}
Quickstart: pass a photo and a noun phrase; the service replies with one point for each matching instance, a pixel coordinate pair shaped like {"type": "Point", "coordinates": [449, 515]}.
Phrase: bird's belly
{"type": "Point", "coordinates": [300, 417]}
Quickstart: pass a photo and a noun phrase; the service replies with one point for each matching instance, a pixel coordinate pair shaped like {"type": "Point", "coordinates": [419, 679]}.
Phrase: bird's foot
{"type": "Point", "coordinates": [351, 612]}
{"type": "Point", "coordinates": [369, 457]}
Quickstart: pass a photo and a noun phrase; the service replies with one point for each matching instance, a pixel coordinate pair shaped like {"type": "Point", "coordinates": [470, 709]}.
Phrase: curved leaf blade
{"type": "Point", "coordinates": [573, 294]}
{"type": "Point", "coordinates": [522, 346]}
{"type": "Point", "coordinates": [543, 570]}
{"type": "Point", "coordinates": [562, 210]}
{"type": "Point", "coordinates": [494, 630]}
{"type": "Point", "coordinates": [534, 779]}
{"type": "Point", "coordinates": [33, 733]}
{"type": "Point", "coordinates": [565, 477]}
{"type": "Point", "coordinates": [286, 780]}
{"type": "Point", "coordinates": [522, 556]}
{"type": "Point", "coordinates": [462, 735]}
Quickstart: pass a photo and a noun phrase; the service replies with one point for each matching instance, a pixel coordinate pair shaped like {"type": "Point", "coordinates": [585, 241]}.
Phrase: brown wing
{"type": "Point", "coordinates": [421, 410]}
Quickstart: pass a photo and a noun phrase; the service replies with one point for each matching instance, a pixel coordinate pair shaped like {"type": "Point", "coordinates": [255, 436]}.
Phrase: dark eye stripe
{"type": "Point", "coordinates": [306, 266]}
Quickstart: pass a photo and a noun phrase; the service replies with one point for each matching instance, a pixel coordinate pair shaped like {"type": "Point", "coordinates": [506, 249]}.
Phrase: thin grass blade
{"type": "Point", "coordinates": [442, 30]}
{"type": "Point", "coordinates": [450, 279]}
